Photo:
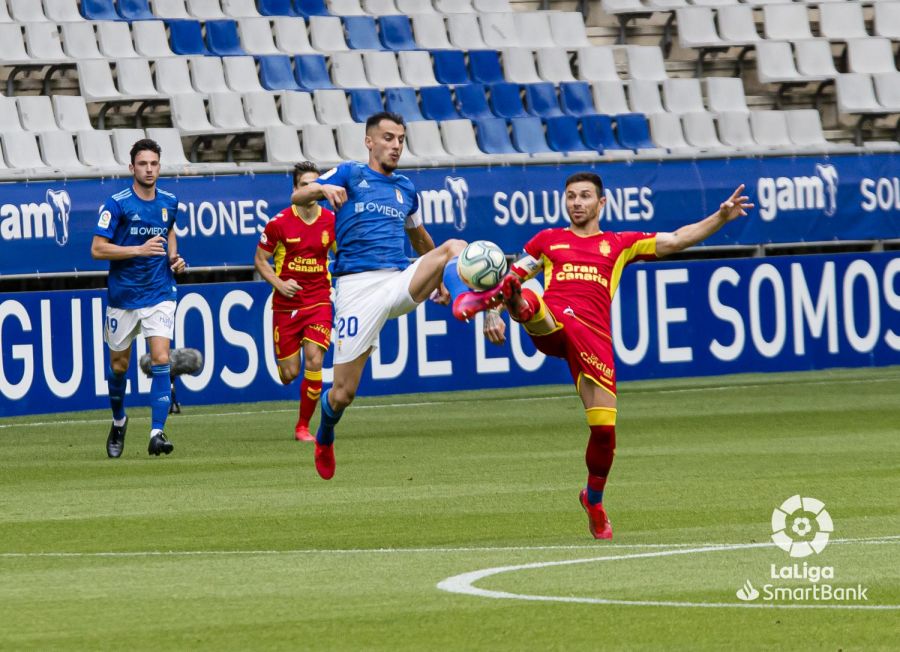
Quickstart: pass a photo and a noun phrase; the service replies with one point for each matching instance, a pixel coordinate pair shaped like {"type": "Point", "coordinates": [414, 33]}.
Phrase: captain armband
{"type": "Point", "coordinates": [526, 267]}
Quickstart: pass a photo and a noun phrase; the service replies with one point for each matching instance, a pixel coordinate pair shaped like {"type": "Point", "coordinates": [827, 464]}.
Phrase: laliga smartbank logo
{"type": "Point", "coordinates": [801, 527]}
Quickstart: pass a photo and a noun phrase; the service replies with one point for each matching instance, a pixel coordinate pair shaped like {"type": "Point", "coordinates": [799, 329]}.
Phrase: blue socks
{"type": "Point", "coordinates": [325, 435]}
{"type": "Point", "coordinates": [160, 396]}
{"type": "Point", "coordinates": [594, 496]}
{"type": "Point", "coordinates": [452, 281]}
{"type": "Point", "coordinates": [116, 384]}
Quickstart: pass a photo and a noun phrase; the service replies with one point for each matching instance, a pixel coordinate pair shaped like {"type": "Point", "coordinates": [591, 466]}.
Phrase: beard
{"type": "Point", "coordinates": [144, 184]}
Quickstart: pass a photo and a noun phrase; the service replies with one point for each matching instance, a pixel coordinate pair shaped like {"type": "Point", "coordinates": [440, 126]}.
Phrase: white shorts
{"type": "Point", "coordinates": [363, 303]}
{"type": "Point", "coordinates": [122, 325]}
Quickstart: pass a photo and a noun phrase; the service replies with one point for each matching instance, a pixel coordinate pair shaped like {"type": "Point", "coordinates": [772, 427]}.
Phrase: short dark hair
{"type": "Point", "coordinates": [302, 168]}
{"type": "Point", "coordinates": [587, 176]}
{"type": "Point", "coordinates": [384, 115]}
{"type": "Point", "coordinates": [145, 144]}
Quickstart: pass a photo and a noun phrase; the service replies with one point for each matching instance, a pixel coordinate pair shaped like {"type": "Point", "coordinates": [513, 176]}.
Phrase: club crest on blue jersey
{"type": "Point", "coordinates": [399, 195]}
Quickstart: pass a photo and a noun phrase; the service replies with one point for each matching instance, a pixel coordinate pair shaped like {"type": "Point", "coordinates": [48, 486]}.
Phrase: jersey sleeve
{"type": "Point", "coordinates": [414, 217]}
{"type": "Point", "coordinates": [108, 219]}
{"type": "Point", "coordinates": [637, 245]}
{"type": "Point", "coordinates": [270, 236]}
{"type": "Point", "coordinates": [535, 246]}
{"type": "Point", "coordinates": [336, 176]}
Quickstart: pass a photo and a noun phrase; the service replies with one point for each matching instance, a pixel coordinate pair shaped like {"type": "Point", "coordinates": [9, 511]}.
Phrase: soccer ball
{"type": "Point", "coordinates": [481, 265]}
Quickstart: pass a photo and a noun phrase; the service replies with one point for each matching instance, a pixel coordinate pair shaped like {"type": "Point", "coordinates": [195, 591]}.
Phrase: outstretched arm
{"type": "Point", "coordinates": [336, 195]}
{"type": "Point", "coordinates": [420, 240]}
{"type": "Point", "coordinates": [691, 234]}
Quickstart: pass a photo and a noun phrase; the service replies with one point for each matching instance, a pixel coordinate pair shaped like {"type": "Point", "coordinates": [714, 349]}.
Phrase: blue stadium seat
{"type": "Point", "coordinates": [633, 131]}
{"type": "Point", "coordinates": [307, 8]}
{"type": "Point", "coordinates": [576, 98]}
{"type": "Point", "coordinates": [472, 102]}
{"type": "Point", "coordinates": [506, 101]}
{"type": "Point", "coordinates": [186, 37]}
{"type": "Point", "coordinates": [312, 72]}
{"type": "Point", "coordinates": [404, 102]}
{"type": "Point", "coordinates": [450, 66]}
{"type": "Point", "coordinates": [563, 135]}
{"type": "Point", "coordinates": [275, 8]}
{"type": "Point", "coordinates": [541, 100]}
{"type": "Point", "coordinates": [485, 67]}
{"type": "Point", "coordinates": [437, 103]}
{"type": "Point", "coordinates": [528, 135]}
{"type": "Point", "coordinates": [362, 33]}
{"type": "Point", "coordinates": [222, 38]}
{"type": "Point", "coordinates": [396, 33]}
{"type": "Point", "coordinates": [135, 10]}
{"type": "Point", "coordinates": [492, 135]}
{"type": "Point", "coordinates": [364, 102]}
{"type": "Point", "coordinates": [597, 132]}
{"type": "Point", "coordinates": [97, 10]}
{"type": "Point", "coordinates": [277, 74]}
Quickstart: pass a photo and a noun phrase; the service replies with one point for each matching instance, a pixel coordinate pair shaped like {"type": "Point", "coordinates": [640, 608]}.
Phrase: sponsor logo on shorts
{"type": "Point", "coordinates": [596, 363]}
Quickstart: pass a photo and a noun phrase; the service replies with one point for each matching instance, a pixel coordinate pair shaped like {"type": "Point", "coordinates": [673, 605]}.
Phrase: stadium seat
{"type": "Point", "coordinates": [770, 130]}
{"type": "Point", "coordinates": [563, 135]}
{"type": "Point", "coordinates": [186, 37]}
{"type": "Point", "coordinates": [437, 103]}
{"type": "Point", "coordinates": [171, 10]}
{"type": "Point", "coordinates": [700, 131]}
{"type": "Point", "coordinates": [61, 11]}
{"type": "Point", "coordinates": [331, 107]}
{"type": "Point", "coordinates": [697, 28]}
{"type": "Point", "coordinates": [597, 64]}
{"type": "Point", "coordinates": [381, 69]}
{"type": "Point", "coordinates": [492, 136]}
{"type": "Point", "coordinates": [4, 18]}
{"type": "Point", "coordinates": [351, 143]}
{"type": "Point", "coordinates": [226, 111]}
{"type": "Point", "coordinates": [95, 149]}
{"type": "Point", "coordinates": [404, 102]}
{"type": "Point", "coordinates": [528, 136]}
{"type": "Point", "coordinates": [450, 67]}
{"type": "Point", "coordinates": [839, 21]}
{"type": "Point", "coordinates": [95, 81]}
{"type": "Point", "coordinates": [472, 102]}
{"type": "Point", "coordinates": [9, 115]}
{"type": "Point", "coordinates": [283, 145]}
{"type": "Point", "coordinates": [207, 75]}
{"type": "Point", "coordinates": [416, 69]}
{"type": "Point", "coordinates": [348, 70]}
{"type": "Point", "coordinates": [380, 8]}
{"type": "Point", "coordinates": [79, 40]}
{"type": "Point", "coordinates": [365, 102]}
{"type": "Point", "coordinates": [855, 93]}
{"type": "Point", "coordinates": [90, 9]}
{"type": "Point", "coordinates": [423, 142]}
{"type": "Point", "coordinates": [887, 90]}
{"type": "Point", "coordinates": [786, 22]}
{"type": "Point", "coordinates": [222, 38]}
{"type": "Point", "coordinates": [277, 74]}
{"type": "Point", "coordinates": [430, 31]}
{"type": "Point", "coordinates": [71, 113]}
{"type": "Point", "coordinates": [541, 100]}
{"type": "Point", "coordinates": [464, 32]}
{"type": "Point", "coordinates": [205, 9]}
{"type": "Point", "coordinates": [150, 39]}
{"type": "Point", "coordinates": [667, 133]}
{"type": "Point", "coordinates": [775, 63]}
{"type": "Point", "coordinates": [567, 28]}
{"type": "Point", "coordinates": [487, 6]}
{"type": "Point", "coordinates": [169, 140]}
{"type": "Point", "coordinates": [870, 55]}
{"type": "Point", "coordinates": [36, 113]}
{"type": "Point", "coordinates": [414, 7]}
{"type": "Point", "coordinates": [26, 11]}
{"type": "Point", "coordinates": [345, 8]}
{"type": "Point", "coordinates": [506, 100]}
{"type": "Point", "coordinates": [189, 115]}
{"type": "Point", "coordinates": [576, 99]}
{"type": "Point", "coordinates": [42, 42]}
{"type": "Point", "coordinates": [598, 134]}
{"type": "Point", "coordinates": [519, 66]}
{"type": "Point", "coordinates": [532, 29]}
{"type": "Point", "coordinates": [319, 145]}
{"type": "Point", "coordinates": [460, 140]}
{"type": "Point", "coordinates": [734, 130]}
{"type": "Point", "coordinates": [362, 34]}
{"type": "Point", "coordinates": [135, 79]}
{"type": "Point", "coordinates": [683, 95]}
{"type": "Point", "coordinates": [326, 33]}
{"type": "Point", "coordinates": [609, 97]}
{"type": "Point", "coordinates": [241, 74]}
{"type": "Point", "coordinates": [484, 66]}
{"type": "Point", "coordinates": [633, 131]}
{"type": "Point", "coordinates": [645, 62]}
{"type": "Point", "coordinates": [805, 129]}
{"type": "Point", "coordinates": [887, 19]}
{"type": "Point", "coordinates": [173, 76]}
{"type": "Point", "coordinates": [297, 108]}
{"type": "Point", "coordinates": [134, 10]}
{"type": "Point", "coordinates": [644, 97]}
{"type": "Point", "coordinates": [114, 40]}
{"type": "Point", "coordinates": [240, 8]}
{"type": "Point", "coordinates": [553, 65]}
{"type": "Point", "coordinates": [58, 151]}
{"type": "Point", "coordinates": [737, 25]}
{"type": "Point", "coordinates": [396, 33]}
{"type": "Point", "coordinates": [276, 8]}
{"type": "Point", "coordinates": [309, 8]}
{"type": "Point", "coordinates": [814, 59]}
{"type": "Point", "coordinates": [725, 94]}
{"type": "Point", "coordinates": [256, 36]}
{"type": "Point", "coordinates": [122, 140]}
{"type": "Point", "coordinates": [312, 72]}
{"type": "Point", "coordinates": [454, 6]}
{"type": "Point", "coordinates": [291, 36]}
{"type": "Point", "coordinates": [261, 110]}
{"type": "Point", "coordinates": [502, 31]}
{"type": "Point", "coordinates": [22, 151]}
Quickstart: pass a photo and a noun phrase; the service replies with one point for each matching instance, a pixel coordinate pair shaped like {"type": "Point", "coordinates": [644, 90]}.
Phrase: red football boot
{"type": "Point", "coordinates": [468, 304]}
{"type": "Point", "coordinates": [301, 433]}
{"type": "Point", "coordinates": [519, 309]}
{"type": "Point", "coordinates": [325, 461]}
{"type": "Point", "coordinates": [598, 522]}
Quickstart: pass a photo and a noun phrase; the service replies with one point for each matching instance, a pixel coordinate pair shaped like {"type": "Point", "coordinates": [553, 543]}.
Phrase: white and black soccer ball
{"type": "Point", "coordinates": [482, 265]}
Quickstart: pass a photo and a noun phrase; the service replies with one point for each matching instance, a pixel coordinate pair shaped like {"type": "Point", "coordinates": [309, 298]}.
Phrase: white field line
{"type": "Point", "coordinates": [567, 397]}
{"type": "Point", "coordinates": [672, 548]}
{"type": "Point", "coordinates": [464, 583]}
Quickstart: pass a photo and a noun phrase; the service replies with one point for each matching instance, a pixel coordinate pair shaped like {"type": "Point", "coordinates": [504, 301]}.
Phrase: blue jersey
{"type": "Point", "coordinates": [370, 226]}
{"type": "Point", "coordinates": [127, 220]}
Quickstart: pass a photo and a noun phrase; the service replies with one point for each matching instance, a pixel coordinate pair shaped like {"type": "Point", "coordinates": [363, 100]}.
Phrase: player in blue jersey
{"type": "Point", "coordinates": [376, 211]}
{"type": "Point", "coordinates": [136, 234]}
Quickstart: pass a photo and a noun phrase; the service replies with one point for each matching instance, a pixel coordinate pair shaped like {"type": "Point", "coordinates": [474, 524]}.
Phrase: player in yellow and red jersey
{"type": "Point", "coordinates": [299, 238]}
{"type": "Point", "coordinates": [582, 266]}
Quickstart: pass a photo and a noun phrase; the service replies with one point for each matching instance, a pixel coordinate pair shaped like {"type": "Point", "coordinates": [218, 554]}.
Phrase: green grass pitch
{"type": "Point", "coordinates": [234, 543]}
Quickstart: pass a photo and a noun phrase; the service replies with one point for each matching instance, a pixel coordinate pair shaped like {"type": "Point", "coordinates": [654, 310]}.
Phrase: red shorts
{"type": "Point", "coordinates": [586, 349]}
{"type": "Point", "coordinates": [291, 328]}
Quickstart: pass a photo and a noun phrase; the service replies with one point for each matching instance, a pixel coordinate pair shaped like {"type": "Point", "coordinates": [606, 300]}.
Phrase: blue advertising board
{"type": "Point", "coordinates": [47, 226]}
{"type": "Point", "coordinates": [669, 320]}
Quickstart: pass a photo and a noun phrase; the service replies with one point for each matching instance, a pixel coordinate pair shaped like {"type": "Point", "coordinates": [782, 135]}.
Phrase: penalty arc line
{"type": "Point", "coordinates": [464, 583]}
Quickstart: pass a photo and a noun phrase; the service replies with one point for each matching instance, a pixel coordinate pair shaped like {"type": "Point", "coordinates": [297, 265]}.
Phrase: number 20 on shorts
{"type": "Point", "coordinates": [347, 327]}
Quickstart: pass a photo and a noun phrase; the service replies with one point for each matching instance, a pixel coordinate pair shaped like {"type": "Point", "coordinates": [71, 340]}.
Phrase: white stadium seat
{"type": "Point", "coordinates": [331, 107]}
{"type": "Point", "coordinates": [261, 110]}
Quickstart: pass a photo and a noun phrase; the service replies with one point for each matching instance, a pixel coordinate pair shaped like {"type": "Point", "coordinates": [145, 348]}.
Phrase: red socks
{"type": "Point", "coordinates": [310, 391]}
{"type": "Point", "coordinates": [601, 450]}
